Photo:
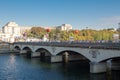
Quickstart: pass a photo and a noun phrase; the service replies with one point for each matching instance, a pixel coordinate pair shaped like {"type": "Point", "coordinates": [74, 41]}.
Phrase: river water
{"type": "Point", "coordinates": [14, 67]}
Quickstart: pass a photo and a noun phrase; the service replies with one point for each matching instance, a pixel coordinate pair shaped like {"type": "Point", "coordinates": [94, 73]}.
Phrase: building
{"type": "Point", "coordinates": [115, 36]}
{"type": "Point", "coordinates": [65, 27]}
{"type": "Point", "coordinates": [12, 30]}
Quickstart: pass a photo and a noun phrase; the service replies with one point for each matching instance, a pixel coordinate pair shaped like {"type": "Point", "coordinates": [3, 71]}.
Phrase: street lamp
{"type": "Point", "coordinates": [87, 33]}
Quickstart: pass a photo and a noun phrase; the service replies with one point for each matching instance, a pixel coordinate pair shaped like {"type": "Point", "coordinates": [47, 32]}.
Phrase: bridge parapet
{"type": "Point", "coordinates": [113, 46]}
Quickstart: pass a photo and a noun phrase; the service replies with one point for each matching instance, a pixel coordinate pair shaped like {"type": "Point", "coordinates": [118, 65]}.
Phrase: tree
{"type": "Point", "coordinates": [85, 34]}
{"type": "Point", "coordinates": [38, 32]}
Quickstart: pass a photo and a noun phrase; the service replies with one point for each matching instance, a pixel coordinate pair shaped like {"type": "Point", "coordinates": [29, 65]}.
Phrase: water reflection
{"type": "Point", "coordinates": [20, 68]}
{"type": "Point", "coordinates": [116, 75]}
{"type": "Point", "coordinates": [101, 76]}
{"type": "Point", "coordinates": [12, 59]}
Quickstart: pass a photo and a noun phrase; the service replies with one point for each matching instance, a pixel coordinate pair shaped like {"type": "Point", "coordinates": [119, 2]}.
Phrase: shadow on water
{"type": "Point", "coordinates": [70, 71]}
{"type": "Point", "coordinates": [116, 75]}
{"type": "Point", "coordinates": [101, 76]}
{"type": "Point", "coordinates": [22, 68]}
{"type": "Point", "coordinates": [75, 71]}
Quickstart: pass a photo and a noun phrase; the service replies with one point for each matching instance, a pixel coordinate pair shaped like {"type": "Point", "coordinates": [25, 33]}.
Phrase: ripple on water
{"type": "Point", "coordinates": [20, 68]}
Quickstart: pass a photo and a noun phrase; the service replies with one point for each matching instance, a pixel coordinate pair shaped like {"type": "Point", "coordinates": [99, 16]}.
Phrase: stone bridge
{"type": "Point", "coordinates": [96, 53]}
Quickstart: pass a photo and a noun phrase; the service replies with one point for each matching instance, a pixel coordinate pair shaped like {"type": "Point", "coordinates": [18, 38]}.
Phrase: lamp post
{"type": "Point", "coordinates": [87, 33]}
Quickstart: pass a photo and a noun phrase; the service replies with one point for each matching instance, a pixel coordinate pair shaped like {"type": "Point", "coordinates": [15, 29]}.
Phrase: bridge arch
{"type": "Point", "coordinates": [112, 58]}
{"type": "Point", "coordinates": [26, 48]}
{"type": "Point", "coordinates": [28, 51]}
{"type": "Point", "coordinates": [43, 51]}
{"type": "Point", "coordinates": [17, 48]}
{"type": "Point", "coordinates": [74, 54]}
{"type": "Point", "coordinates": [107, 54]}
{"type": "Point", "coordinates": [44, 54]}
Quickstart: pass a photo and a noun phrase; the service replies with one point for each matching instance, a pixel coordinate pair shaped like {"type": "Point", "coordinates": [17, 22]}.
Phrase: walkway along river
{"type": "Point", "coordinates": [14, 67]}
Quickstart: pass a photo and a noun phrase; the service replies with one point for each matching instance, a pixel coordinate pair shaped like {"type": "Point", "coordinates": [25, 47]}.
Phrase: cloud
{"type": "Point", "coordinates": [108, 22]}
{"type": "Point", "coordinates": [111, 20]}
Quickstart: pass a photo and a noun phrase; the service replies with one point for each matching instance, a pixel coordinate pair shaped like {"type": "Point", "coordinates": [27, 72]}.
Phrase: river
{"type": "Point", "coordinates": [14, 67]}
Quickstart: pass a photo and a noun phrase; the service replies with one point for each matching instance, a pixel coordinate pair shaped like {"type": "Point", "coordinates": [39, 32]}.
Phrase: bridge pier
{"type": "Point", "coordinates": [56, 58]}
{"type": "Point", "coordinates": [98, 67]}
{"type": "Point", "coordinates": [65, 57]}
{"type": "Point", "coordinates": [23, 52]}
{"type": "Point", "coordinates": [51, 59]}
{"type": "Point", "coordinates": [28, 54]}
{"type": "Point", "coordinates": [35, 55]}
{"type": "Point", "coordinates": [42, 56]}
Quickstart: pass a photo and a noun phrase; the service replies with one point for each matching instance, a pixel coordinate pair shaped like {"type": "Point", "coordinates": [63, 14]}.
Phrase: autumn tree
{"type": "Point", "coordinates": [85, 34]}
{"type": "Point", "coordinates": [38, 32]}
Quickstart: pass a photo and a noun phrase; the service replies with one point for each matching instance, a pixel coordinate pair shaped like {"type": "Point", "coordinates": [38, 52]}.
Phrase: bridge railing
{"type": "Point", "coordinates": [107, 45]}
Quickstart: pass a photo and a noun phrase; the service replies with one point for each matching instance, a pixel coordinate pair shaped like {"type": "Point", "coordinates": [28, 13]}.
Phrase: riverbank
{"type": "Point", "coordinates": [5, 48]}
{"type": "Point", "coordinates": [5, 51]}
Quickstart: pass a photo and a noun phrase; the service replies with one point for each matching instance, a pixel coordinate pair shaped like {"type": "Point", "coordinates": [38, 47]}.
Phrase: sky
{"type": "Point", "coordinates": [94, 14]}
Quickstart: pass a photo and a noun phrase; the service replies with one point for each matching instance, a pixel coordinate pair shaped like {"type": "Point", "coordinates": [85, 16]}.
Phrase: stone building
{"type": "Point", "coordinates": [12, 30]}
{"type": "Point", "coordinates": [65, 27]}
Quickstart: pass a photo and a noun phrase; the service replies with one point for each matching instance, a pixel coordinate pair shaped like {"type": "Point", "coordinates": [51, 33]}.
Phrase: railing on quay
{"type": "Point", "coordinates": [91, 45]}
